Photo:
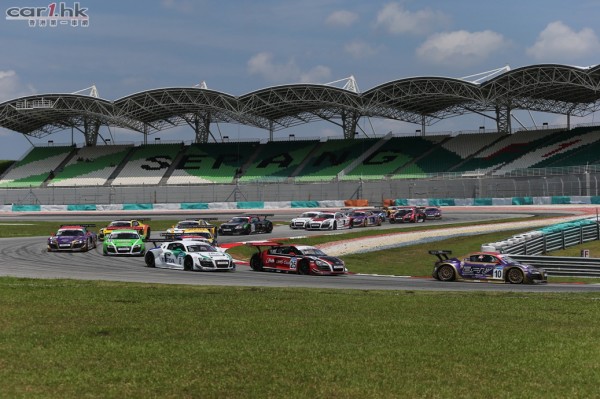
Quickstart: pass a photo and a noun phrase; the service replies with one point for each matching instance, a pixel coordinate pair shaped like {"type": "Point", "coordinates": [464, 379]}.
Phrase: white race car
{"type": "Point", "coordinates": [189, 255]}
{"type": "Point", "coordinates": [329, 221]}
{"type": "Point", "coordinates": [301, 222]}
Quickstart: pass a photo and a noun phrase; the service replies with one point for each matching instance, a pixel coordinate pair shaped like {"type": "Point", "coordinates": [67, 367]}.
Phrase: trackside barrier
{"type": "Point", "coordinates": [528, 247]}
{"type": "Point", "coordinates": [563, 266]}
{"type": "Point", "coordinates": [539, 242]}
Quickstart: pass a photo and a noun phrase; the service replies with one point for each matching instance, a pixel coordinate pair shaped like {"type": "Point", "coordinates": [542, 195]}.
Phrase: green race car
{"type": "Point", "coordinates": [124, 242]}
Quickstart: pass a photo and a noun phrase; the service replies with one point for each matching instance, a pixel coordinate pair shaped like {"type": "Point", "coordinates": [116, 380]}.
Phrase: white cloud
{"type": "Point", "coordinates": [559, 42]}
{"type": "Point", "coordinates": [262, 64]}
{"type": "Point", "coordinates": [341, 18]}
{"type": "Point", "coordinates": [360, 49]}
{"type": "Point", "coordinates": [460, 48]}
{"type": "Point", "coordinates": [396, 20]}
{"type": "Point", "coordinates": [317, 74]}
{"type": "Point", "coordinates": [11, 87]}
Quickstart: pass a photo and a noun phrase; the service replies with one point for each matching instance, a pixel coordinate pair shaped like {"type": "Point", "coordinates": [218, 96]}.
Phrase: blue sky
{"type": "Point", "coordinates": [241, 46]}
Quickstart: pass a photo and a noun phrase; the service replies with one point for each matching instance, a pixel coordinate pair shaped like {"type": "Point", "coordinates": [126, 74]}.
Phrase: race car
{"type": "Point", "coordinates": [73, 237]}
{"type": "Point", "coordinates": [123, 243]}
{"type": "Point", "coordinates": [193, 226]}
{"type": "Point", "coordinates": [432, 212]}
{"type": "Point", "coordinates": [196, 235]}
{"type": "Point", "coordinates": [485, 266]}
{"type": "Point", "coordinates": [301, 221]}
{"type": "Point", "coordinates": [301, 259]}
{"type": "Point", "coordinates": [364, 218]}
{"type": "Point", "coordinates": [408, 215]}
{"type": "Point", "coordinates": [189, 255]}
{"type": "Point", "coordinates": [329, 221]}
{"type": "Point", "coordinates": [247, 224]}
{"type": "Point", "coordinates": [143, 229]}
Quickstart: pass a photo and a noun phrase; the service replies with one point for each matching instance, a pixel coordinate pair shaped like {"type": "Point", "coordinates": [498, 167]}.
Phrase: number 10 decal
{"type": "Point", "coordinates": [498, 273]}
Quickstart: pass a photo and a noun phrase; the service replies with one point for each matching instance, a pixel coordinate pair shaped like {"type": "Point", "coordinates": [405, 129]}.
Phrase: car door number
{"type": "Point", "coordinates": [498, 273]}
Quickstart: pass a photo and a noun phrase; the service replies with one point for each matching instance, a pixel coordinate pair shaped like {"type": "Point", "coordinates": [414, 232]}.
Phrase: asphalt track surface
{"type": "Point", "coordinates": [27, 257]}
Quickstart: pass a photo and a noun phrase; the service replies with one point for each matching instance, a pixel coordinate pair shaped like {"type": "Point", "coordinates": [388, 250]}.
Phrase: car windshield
{"type": "Point", "coordinates": [187, 224]}
{"type": "Point", "coordinates": [358, 214]}
{"type": "Point", "coordinates": [120, 224]}
{"type": "Point", "coordinates": [325, 216]}
{"type": "Point", "coordinates": [200, 248]}
{"type": "Point", "coordinates": [308, 215]}
{"type": "Point", "coordinates": [312, 251]}
{"type": "Point", "coordinates": [238, 220]}
{"type": "Point", "coordinates": [124, 236]}
{"type": "Point", "coordinates": [69, 233]}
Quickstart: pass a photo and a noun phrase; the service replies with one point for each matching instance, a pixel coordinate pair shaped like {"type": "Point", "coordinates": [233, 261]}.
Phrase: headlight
{"type": "Point", "coordinates": [326, 223]}
{"type": "Point", "coordinates": [239, 227]}
{"type": "Point", "coordinates": [320, 262]}
{"type": "Point", "coordinates": [136, 246]}
{"type": "Point", "coordinates": [77, 241]}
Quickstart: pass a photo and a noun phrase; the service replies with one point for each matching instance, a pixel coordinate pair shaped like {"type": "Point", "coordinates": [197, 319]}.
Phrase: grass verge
{"type": "Point", "coordinates": [73, 339]}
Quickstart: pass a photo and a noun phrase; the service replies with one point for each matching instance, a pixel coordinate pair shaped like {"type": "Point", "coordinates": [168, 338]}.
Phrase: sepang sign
{"type": "Point", "coordinates": [53, 15]}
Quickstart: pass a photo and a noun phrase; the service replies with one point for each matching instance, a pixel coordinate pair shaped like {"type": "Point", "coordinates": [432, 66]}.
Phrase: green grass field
{"type": "Point", "coordinates": [74, 339]}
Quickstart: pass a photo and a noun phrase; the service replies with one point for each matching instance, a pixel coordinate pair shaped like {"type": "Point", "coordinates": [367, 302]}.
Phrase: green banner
{"type": "Point", "coordinates": [305, 204]}
{"type": "Point", "coordinates": [194, 205]}
{"type": "Point", "coordinates": [561, 200]}
{"type": "Point", "coordinates": [522, 200]}
{"type": "Point", "coordinates": [483, 202]}
{"type": "Point", "coordinates": [442, 202]}
{"type": "Point", "coordinates": [26, 208]}
{"type": "Point", "coordinates": [251, 205]}
{"type": "Point", "coordinates": [81, 207]}
{"type": "Point", "coordinates": [138, 207]}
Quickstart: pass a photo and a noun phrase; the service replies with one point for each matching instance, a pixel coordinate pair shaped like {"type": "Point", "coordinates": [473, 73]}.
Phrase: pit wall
{"type": "Point", "coordinates": [555, 200]}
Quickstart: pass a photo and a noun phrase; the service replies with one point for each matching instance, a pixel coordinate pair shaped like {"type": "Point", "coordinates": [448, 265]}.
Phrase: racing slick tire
{"type": "Point", "coordinates": [247, 230]}
{"type": "Point", "coordinates": [149, 259]}
{"type": "Point", "coordinates": [515, 276]}
{"type": "Point", "coordinates": [446, 273]}
{"type": "Point", "coordinates": [188, 264]}
{"type": "Point", "coordinates": [303, 267]}
{"type": "Point", "coordinates": [334, 226]}
{"type": "Point", "coordinates": [269, 228]}
{"type": "Point", "coordinates": [148, 233]}
{"type": "Point", "coordinates": [256, 263]}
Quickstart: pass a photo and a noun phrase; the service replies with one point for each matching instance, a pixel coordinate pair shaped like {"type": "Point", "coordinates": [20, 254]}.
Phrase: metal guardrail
{"type": "Point", "coordinates": [530, 250]}
{"type": "Point", "coordinates": [563, 266]}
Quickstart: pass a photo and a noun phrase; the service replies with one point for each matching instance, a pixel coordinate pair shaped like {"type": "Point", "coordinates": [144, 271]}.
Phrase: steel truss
{"type": "Point", "coordinates": [550, 88]}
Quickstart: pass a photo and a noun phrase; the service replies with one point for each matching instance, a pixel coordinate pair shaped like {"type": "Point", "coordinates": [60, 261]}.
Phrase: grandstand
{"type": "Point", "coordinates": [146, 165]}
{"type": "Point", "coordinates": [35, 168]}
{"type": "Point", "coordinates": [90, 166]}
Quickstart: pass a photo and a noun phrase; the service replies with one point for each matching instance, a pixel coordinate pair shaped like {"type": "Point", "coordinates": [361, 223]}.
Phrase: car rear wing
{"type": "Point", "coordinates": [442, 254]}
{"type": "Point", "coordinates": [77, 225]}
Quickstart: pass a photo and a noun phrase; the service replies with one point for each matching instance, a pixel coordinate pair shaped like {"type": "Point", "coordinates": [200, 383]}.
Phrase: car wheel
{"type": "Point", "coordinates": [247, 230]}
{"type": "Point", "coordinates": [392, 221]}
{"type": "Point", "coordinates": [446, 273]}
{"type": "Point", "coordinates": [150, 261]}
{"type": "Point", "coordinates": [303, 267]}
{"type": "Point", "coordinates": [515, 276]}
{"type": "Point", "coordinates": [334, 225]}
{"type": "Point", "coordinates": [269, 227]}
{"type": "Point", "coordinates": [148, 233]}
{"type": "Point", "coordinates": [256, 263]}
{"type": "Point", "coordinates": [188, 263]}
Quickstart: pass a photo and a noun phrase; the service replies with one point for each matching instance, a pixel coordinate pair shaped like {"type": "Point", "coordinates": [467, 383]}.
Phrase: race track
{"type": "Point", "coordinates": [27, 257]}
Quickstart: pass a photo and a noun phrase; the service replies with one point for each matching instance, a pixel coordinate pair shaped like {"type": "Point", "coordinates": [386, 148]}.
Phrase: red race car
{"type": "Point", "coordinates": [295, 258]}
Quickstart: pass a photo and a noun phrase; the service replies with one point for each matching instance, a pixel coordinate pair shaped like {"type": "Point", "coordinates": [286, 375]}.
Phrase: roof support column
{"type": "Point", "coordinates": [202, 128]}
{"type": "Point", "coordinates": [145, 134]}
{"type": "Point", "coordinates": [349, 122]}
{"type": "Point", "coordinates": [271, 129]}
{"type": "Point", "coordinates": [90, 131]}
{"type": "Point", "coordinates": [422, 125]}
{"type": "Point", "coordinates": [503, 119]}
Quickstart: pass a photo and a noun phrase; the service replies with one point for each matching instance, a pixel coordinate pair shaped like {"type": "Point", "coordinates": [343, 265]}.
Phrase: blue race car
{"type": "Point", "coordinates": [485, 266]}
{"type": "Point", "coordinates": [364, 218]}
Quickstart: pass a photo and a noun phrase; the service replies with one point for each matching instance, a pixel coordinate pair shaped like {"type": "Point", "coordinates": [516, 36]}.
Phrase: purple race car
{"type": "Point", "coordinates": [433, 212]}
{"type": "Point", "coordinates": [73, 238]}
{"type": "Point", "coordinates": [364, 218]}
{"type": "Point", "coordinates": [485, 266]}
